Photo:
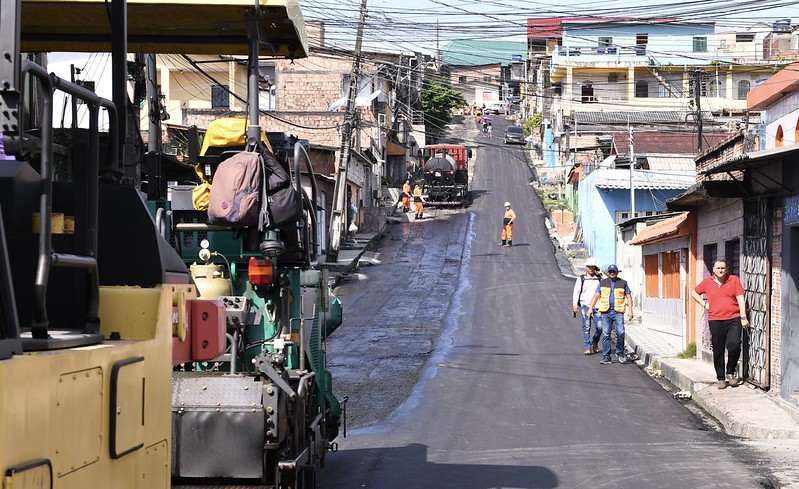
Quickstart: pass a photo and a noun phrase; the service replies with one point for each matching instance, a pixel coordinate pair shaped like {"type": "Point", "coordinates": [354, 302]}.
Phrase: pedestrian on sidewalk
{"type": "Point", "coordinates": [584, 288]}
{"type": "Point", "coordinates": [726, 315]}
{"type": "Point", "coordinates": [507, 226]}
{"type": "Point", "coordinates": [418, 202]}
{"type": "Point", "coordinates": [406, 196]}
{"type": "Point", "coordinates": [615, 302]}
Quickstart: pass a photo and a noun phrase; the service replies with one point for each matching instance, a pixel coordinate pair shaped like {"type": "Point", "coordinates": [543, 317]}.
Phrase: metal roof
{"type": "Point", "coordinates": [475, 53]}
{"type": "Point", "coordinates": [640, 117]}
{"type": "Point", "coordinates": [658, 231]}
{"type": "Point", "coordinates": [671, 163]}
{"type": "Point", "coordinates": [612, 178]}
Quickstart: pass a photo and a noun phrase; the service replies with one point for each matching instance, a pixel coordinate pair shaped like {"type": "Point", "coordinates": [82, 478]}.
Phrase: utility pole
{"type": "Point", "coordinates": [697, 100]}
{"type": "Point", "coordinates": [632, 165]}
{"type": "Point", "coordinates": [338, 221]}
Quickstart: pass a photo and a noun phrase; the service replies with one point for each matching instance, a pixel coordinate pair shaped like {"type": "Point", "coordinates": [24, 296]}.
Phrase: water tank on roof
{"type": "Point", "coordinates": [782, 25]}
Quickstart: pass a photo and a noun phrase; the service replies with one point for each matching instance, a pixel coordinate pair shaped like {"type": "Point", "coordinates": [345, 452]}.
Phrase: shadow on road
{"type": "Point", "coordinates": [354, 468]}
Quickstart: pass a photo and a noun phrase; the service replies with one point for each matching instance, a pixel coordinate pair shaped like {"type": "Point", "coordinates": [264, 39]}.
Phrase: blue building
{"type": "Point", "coordinates": [604, 197]}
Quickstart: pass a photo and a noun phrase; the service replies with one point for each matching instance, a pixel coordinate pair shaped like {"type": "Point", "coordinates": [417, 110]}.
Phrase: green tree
{"type": "Point", "coordinates": [438, 100]}
{"type": "Point", "coordinates": [533, 123]}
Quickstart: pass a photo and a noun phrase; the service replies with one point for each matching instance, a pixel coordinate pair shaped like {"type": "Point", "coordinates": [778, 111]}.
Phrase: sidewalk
{"type": "Point", "coordinates": [351, 253]}
{"type": "Point", "coordinates": [743, 411]}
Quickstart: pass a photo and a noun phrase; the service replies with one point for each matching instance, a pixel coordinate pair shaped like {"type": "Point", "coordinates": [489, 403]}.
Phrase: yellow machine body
{"type": "Point", "coordinates": [95, 416]}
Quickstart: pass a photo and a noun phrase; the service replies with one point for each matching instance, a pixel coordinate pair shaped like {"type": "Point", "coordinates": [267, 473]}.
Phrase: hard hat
{"type": "Point", "coordinates": [590, 262]}
{"type": "Point", "coordinates": [507, 204]}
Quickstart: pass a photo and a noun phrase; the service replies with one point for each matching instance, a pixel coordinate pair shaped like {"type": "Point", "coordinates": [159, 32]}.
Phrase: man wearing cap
{"type": "Point", "coordinates": [507, 226]}
{"type": "Point", "coordinates": [614, 298]}
{"type": "Point", "coordinates": [584, 288]}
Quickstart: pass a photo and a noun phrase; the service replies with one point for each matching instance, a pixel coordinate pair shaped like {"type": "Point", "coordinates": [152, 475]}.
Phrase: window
{"type": "Point", "coordinates": [744, 37]}
{"type": "Point", "coordinates": [587, 92]}
{"type": "Point", "coordinates": [778, 141]}
{"type": "Point", "coordinates": [603, 44]}
{"type": "Point", "coordinates": [641, 89]}
{"type": "Point", "coordinates": [641, 40]}
{"type": "Point", "coordinates": [651, 276]}
{"type": "Point", "coordinates": [220, 97]}
{"type": "Point", "coordinates": [743, 88]}
{"type": "Point", "coordinates": [461, 79]}
{"type": "Point", "coordinates": [267, 90]}
{"type": "Point", "coordinates": [613, 78]}
{"type": "Point", "coordinates": [700, 44]}
{"type": "Point", "coordinates": [709, 255]}
{"type": "Point", "coordinates": [732, 253]}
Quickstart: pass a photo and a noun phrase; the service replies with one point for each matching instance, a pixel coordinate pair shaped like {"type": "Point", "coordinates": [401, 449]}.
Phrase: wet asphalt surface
{"type": "Point", "coordinates": [464, 368]}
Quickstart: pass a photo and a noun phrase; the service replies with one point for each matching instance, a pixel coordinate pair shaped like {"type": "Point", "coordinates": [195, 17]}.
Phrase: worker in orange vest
{"type": "Point", "coordinates": [418, 202]}
{"type": "Point", "coordinates": [406, 196]}
{"type": "Point", "coordinates": [507, 226]}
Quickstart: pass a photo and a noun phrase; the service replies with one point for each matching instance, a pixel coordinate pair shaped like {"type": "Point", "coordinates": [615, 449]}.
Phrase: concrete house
{"type": "Point", "coordinates": [624, 65]}
{"type": "Point", "coordinates": [485, 71]}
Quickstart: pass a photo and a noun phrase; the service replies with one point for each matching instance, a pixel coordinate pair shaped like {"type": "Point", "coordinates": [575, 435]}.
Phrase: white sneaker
{"type": "Point", "coordinates": [622, 359]}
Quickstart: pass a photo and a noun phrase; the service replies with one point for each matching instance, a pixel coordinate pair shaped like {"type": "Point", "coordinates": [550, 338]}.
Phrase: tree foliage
{"type": "Point", "coordinates": [438, 100]}
{"type": "Point", "coordinates": [532, 123]}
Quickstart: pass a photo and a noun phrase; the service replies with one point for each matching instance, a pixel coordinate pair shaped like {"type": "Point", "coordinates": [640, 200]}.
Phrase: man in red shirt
{"type": "Point", "coordinates": [726, 314]}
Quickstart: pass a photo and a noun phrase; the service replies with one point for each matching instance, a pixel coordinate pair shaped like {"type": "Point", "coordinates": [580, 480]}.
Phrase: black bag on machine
{"type": "Point", "coordinates": [282, 203]}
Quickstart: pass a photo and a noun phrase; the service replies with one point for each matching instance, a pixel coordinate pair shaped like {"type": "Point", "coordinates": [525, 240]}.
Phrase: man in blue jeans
{"type": "Point", "coordinates": [615, 302]}
{"type": "Point", "coordinates": [584, 288]}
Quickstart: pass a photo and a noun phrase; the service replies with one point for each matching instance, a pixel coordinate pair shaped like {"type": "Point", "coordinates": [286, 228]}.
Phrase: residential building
{"type": "Point", "coordinates": [746, 203]}
{"type": "Point", "coordinates": [485, 71]}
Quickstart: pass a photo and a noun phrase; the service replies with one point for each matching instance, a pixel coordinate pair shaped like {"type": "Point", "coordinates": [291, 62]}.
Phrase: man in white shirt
{"type": "Point", "coordinates": [584, 288]}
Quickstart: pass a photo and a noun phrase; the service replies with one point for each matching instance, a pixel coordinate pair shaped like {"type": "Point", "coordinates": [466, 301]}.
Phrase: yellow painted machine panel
{"type": "Point", "coordinates": [127, 407]}
{"type": "Point", "coordinates": [56, 406]}
{"type": "Point", "coordinates": [155, 469]}
{"type": "Point", "coordinates": [78, 405]}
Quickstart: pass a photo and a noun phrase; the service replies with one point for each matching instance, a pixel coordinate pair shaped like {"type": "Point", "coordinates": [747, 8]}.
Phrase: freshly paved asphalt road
{"type": "Point", "coordinates": [481, 342]}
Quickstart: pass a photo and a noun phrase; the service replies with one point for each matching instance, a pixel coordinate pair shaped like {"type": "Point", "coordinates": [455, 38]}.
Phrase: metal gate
{"type": "Point", "coordinates": [756, 280]}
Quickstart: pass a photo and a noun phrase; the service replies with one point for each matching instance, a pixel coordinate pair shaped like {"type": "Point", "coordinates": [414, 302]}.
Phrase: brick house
{"type": "Point", "coordinates": [746, 202]}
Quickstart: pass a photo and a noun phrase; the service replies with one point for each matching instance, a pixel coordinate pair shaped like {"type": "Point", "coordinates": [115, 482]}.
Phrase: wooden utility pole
{"type": "Point", "coordinates": [338, 220]}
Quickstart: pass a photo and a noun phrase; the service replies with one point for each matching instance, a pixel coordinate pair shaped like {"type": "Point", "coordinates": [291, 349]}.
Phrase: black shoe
{"type": "Point", "coordinates": [503, 243]}
{"type": "Point", "coordinates": [605, 361]}
{"type": "Point", "coordinates": [510, 242]}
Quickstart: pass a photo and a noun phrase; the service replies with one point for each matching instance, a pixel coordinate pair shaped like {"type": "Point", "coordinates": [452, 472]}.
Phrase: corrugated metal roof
{"type": "Point", "coordinates": [665, 143]}
{"type": "Point", "coordinates": [671, 163]}
{"type": "Point", "coordinates": [475, 53]}
{"type": "Point", "coordinates": [612, 178]}
{"type": "Point", "coordinates": [640, 117]}
{"type": "Point", "coordinates": [660, 230]}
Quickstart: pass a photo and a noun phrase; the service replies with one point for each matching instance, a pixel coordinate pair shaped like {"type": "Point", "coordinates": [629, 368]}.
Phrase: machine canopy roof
{"type": "Point", "coordinates": [165, 26]}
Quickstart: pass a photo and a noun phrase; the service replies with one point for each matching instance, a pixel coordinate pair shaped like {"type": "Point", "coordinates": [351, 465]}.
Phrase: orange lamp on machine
{"type": "Point", "coordinates": [260, 271]}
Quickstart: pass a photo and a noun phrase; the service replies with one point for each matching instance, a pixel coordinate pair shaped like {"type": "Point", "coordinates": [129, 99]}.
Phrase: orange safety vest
{"type": "Point", "coordinates": [619, 300]}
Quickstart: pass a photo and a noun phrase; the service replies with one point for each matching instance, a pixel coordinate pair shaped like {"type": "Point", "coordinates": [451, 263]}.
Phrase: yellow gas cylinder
{"type": "Point", "coordinates": [211, 281]}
